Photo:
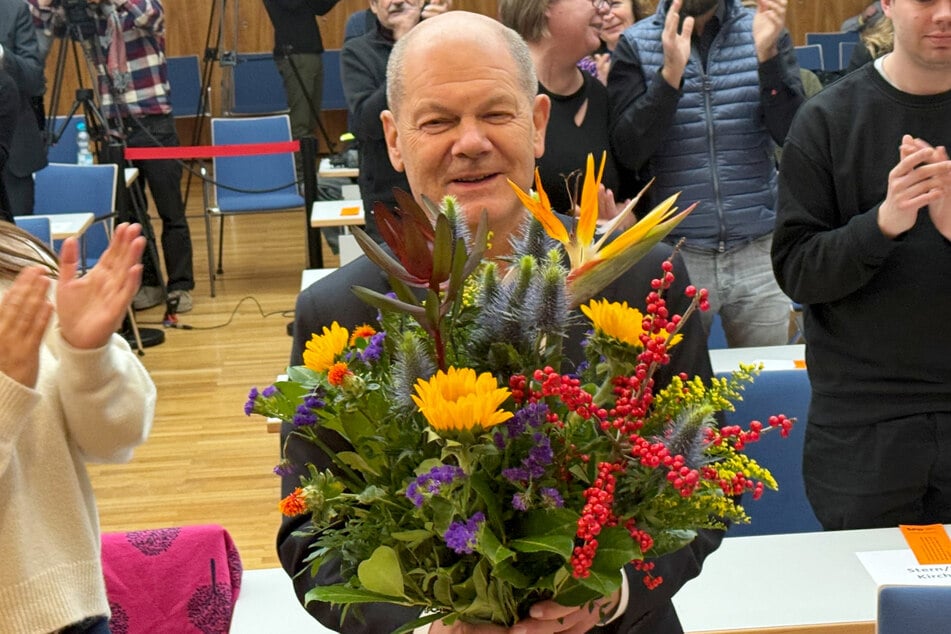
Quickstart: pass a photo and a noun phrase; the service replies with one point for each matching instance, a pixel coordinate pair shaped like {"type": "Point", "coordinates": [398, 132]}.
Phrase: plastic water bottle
{"type": "Point", "coordinates": [83, 155]}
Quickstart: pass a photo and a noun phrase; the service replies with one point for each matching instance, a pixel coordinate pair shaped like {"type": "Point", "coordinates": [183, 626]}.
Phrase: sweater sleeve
{"type": "Point", "coordinates": [107, 398]}
{"type": "Point", "coordinates": [641, 109]}
{"type": "Point", "coordinates": [816, 259]}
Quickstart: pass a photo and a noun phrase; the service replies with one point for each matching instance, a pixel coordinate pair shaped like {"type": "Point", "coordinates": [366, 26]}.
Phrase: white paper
{"type": "Point", "coordinates": [777, 364]}
{"type": "Point", "coordinates": [900, 567]}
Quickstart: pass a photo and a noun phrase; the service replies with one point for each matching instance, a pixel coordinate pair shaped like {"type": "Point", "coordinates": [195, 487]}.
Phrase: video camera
{"type": "Point", "coordinates": [80, 21]}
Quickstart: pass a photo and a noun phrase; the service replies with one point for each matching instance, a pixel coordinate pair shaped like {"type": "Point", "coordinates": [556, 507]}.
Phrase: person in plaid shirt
{"type": "Point", "coordinates": [125, 41]}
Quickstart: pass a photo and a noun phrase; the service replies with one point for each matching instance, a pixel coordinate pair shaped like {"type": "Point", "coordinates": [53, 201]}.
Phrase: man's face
{"type": "Point", "coordinates": [693, 8]}
{"type": "Point", "coordinates": [389, 12]}
{"type": "Point", "coordinates": [465, 126]}
{"type": "Point", "coordinates": [922, 32]}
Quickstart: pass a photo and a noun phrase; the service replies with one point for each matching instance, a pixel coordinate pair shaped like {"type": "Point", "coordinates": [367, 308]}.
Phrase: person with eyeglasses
{"type": "Point", "coordinates": [621, 15]}
{"type": "Point", "coordinates": [558, 34]}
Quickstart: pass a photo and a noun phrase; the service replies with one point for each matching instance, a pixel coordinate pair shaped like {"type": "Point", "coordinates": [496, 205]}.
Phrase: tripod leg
{"type": "Point", "coordinates": [135, 332]}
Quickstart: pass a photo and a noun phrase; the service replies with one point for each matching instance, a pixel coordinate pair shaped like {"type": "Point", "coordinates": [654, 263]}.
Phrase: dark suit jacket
{"type": "Point", "coordinates": [9, 110]}
{"type": "Point", "coordinates": [648, 611]}
{"type": "Point", "coordinates": [21, 58]}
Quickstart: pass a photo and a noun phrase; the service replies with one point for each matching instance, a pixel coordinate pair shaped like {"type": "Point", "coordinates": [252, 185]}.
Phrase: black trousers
{"type": "Point", "coordinates": [880, 475]}
{"type": "Point", "coordinates": [164, 180]}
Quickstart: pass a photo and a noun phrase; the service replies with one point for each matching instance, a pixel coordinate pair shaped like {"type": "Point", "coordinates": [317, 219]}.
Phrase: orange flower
{"type": "Point", "coordinates": [361, 332]}
{"type": "Point", "coordinates": [337, 373]}
{"type": "Point", "coordinates": [293, 504]}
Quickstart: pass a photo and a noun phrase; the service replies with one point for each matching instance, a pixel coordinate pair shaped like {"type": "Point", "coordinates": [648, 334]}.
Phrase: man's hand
{"type": "Point", "coordinates": [403, 17]}
{"type": "Point", "coordinates": [768, 24]}
{"type": "Point", "coordinates": [92, 307]}
{"type": "Point", "coordinates": [921, 178]}
{"type": "Point", "coordinates": [546, 617]}
{"type": "Point", "coordinates": [676, 45]}
{"type": "Point", "coordinates": [939, 210]}
{"type": "Point", "coordinates": [433, 8]}
{"type": "Point", "coordinates": [24, 315]}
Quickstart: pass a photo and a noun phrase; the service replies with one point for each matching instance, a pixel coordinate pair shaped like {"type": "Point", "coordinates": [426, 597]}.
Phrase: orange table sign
{"type": "Point", "coordinates": [930, 544]}
{"type": "Point", "coordinates": [350, 211]}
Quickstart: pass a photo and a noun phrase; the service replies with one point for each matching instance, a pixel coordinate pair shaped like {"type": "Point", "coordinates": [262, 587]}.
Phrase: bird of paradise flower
{"type": "Point", "coordinates": [596, 263]}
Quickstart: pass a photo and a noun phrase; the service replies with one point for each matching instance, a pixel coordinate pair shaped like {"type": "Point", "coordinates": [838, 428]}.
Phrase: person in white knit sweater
{"type": "Point", "coordinates": [71, 391]}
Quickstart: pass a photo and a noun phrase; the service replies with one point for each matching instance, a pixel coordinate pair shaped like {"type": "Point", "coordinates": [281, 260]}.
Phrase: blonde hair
{"type": "Point", "coordinates": [19, 249]}
{"type": "Point", "coordinates": [879, 36]}
{"type": "Point", "coordinates": [525, 17]}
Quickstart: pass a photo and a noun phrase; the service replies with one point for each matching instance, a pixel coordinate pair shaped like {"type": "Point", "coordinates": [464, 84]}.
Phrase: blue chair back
{"type": "Point", "coordinates": [717, 337]}
{"type": "Point", "coordinates": [810, 57]}
{"type": "Point", "coordinates": [786, 510]}
{"type": "Point", "coordinates": [62, 188]}
{"type": "Point", "coordinates": [38, 227]}
{"type": "Point", "coordinates": [845, 53]}
{"type": "Point", "coordinates": [257, 86]}
{"type": "Point", "coordinates": [65, 148]}
{"type": "Point", "coordinates": [333, 97]}
{"type": "Point", "coordinates": [271, 177]}
{"type": "Point", "coordinates": [913, 609]}
{"type": "Point", "coordinates": [830, 46]}
{"type": "Point", "coordinates": [184, 77]}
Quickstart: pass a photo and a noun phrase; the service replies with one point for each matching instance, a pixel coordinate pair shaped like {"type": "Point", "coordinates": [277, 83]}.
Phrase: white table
{"type": "Point", "coordinates": [266, 603]}
{"type": "Point", "coordinates": [326, 170]}
{"type": "Point", "coordinates": [329, 213]}
{"type": "Point", "coordinates": [64, 226]}
{"type": "Point", "coordinates": [772, 357]}
{"type": "Point", "coordinates": [805, 582]}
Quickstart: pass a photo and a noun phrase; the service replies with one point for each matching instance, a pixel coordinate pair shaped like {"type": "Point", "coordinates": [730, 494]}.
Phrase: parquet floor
{"type": "Point", "coordinates": [205, 461]}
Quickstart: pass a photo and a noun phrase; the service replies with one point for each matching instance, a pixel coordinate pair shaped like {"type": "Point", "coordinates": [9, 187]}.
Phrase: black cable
{"type": "Point", "coordinates": [170, 323]}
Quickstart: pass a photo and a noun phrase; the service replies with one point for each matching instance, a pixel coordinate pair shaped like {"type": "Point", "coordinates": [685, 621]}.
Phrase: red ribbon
{"type": "Point", "coordinates": [209, 151]}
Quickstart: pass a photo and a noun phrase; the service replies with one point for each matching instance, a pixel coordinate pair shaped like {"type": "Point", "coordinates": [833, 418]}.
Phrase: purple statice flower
{"type": "Point", "coordinates": [520, 501]}
{"type": "Point", "coordinates": [532, 415]}
{"type": "Point", "coordinates": [551, 497]}
{"type": "Point", "coordinates": [269, 391]}
{"type": "Point", "coordinates": [314, 402]}
{"type": "Point", "coordinates": [304, 417]}
{"type": "Point", "coordinates": [285, 468]}
{"type": "Point", "coordinates": [432, 482]}
{"type": "Point", "coordinates": [588, 65]}
{"type": "Point", "coordinates": [533, 465]}
{"type": "Point", "coordinates": [462, 537]}
{"type": "Point", "coordinates": [374, 349]}
{"type": "Point", "coordinates": [516, 475]}
{"type": "Point", "coordinates": [252, 398]}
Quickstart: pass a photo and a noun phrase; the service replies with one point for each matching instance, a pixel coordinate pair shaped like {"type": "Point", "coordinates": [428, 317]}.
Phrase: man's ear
{"type": "Point", "coordinates": [391, 134]}
{"type": "Point", "coordinates": [541, 109]}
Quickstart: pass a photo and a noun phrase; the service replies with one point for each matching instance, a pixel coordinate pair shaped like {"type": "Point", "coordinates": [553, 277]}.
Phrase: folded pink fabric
{"type": "Point", "coordinates": [182, 580]}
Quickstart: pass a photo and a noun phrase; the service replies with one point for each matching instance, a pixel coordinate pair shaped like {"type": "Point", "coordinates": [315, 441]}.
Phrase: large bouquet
{"type": "Point", "coordinates": [483, 472]}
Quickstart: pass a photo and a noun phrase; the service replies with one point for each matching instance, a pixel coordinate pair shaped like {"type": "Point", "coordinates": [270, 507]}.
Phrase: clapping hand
{"type": "Point", "coordinates": [91, 307]}
{"type": "Point", "coordinates": [768, 24]}
{"type": "Point", "coordinates": [24, 314]}
{"type": "Point", "coordinates": [676, 42]}
{"type": "Point", "coordinates": [921, 178]}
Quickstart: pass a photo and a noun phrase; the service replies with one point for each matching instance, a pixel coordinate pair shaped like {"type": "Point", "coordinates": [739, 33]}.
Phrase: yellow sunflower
{"type": "Point", "coordinates": [366, 331]}
{"type": "Point", "coordinates": [322, 350]}
{"type": "Point", "coordinates": [458, 400]}
{"type": "Point", "coordinates": [619, 321]}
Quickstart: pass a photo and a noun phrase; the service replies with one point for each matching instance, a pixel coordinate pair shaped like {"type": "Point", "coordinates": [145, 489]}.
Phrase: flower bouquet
{"type": "Point", "coordinates": [483, 472]}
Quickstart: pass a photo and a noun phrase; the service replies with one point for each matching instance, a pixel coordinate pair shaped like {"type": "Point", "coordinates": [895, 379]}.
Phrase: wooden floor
{"type": "Point", "coordinates": [205, 461]}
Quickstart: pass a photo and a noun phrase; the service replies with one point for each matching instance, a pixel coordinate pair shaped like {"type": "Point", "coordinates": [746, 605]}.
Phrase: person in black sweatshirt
{"type": "Point", "coordinates": [862, 240]}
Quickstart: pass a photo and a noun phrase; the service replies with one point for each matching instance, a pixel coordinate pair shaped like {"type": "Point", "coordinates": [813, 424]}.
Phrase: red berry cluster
{"type": "Point", "coordinates": [569, 392]}
{"type": "Point", "coordinates": [596, 514]}
{"type": "Point", "coordinates": [656, 455]}
{"type": "Point", "coordinates": [647, 567]}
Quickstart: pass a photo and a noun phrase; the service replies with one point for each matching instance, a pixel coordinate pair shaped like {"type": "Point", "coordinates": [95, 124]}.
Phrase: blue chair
{"type": "Point", "coordinates": [65, 148]}
{"type": "Point", "coordinates": [786, 510]}
{"type": "Point", "coordinates": [184, 77]}
{"type": "Point", "coordinates": [845, 53]}
{"type": "Point", "coordinates": [63, 188]}
{"type": "Point", "coordinates": [717, 337]}
{"type": "Point", "coordinates": [248, 184]}
{"type": "Point", "coordinates": [830, 46]}
{"type": "Point", "coordinates": [333, 97]}
{"type": "Point", "coordinates": [37, 226]}
{"type": "Point", "coordinates": [913, 609]}
{"type": "Point", "coordinates": [809, 57]}
{"type": "Point", "coordinates": [256, 86]}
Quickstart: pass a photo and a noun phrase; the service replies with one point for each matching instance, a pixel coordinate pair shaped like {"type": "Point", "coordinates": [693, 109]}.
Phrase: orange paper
{"type": "Point", "coordinates": [350, 211]}
{"type": "Point", "coordinates": [930, 544]}
{"type": "Point", "coordinates": [799, 364]}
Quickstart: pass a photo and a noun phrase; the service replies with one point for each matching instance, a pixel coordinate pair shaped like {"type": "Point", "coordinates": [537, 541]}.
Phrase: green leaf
{"type": "Point", "coordinates": [384, 303]}
{"type": "Point", "coordinates": [492, 548]}
{"type": "Point", "coordinates": [442, 250]}
{"type": "Point", "coordinates": [421, 621]}
{"type": "Point", "coordinates": [341, 594]}
{"type": "Point", "coordinates": [381, 573]}
{"type": "Point", "coordinates": [558, 544]}
{"type": "Point", "coordinates": [413, 537]}
{"type": "Point", "coordinates": [356, 461]}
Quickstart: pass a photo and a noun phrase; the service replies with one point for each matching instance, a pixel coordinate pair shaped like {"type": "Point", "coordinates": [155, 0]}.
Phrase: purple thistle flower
{"type": "Point", "coordinates": [462, 537]}
{"type": "Point", "coordinates": [252, 397]}
{"type": "Point", "coordinates": [304, 417]}
{"type": "Point", "coordinates": [551, 497]}
{"type": "Point", "coordinates": [269, 391]}
{"type": "Point", "coordinates": [432, 482]}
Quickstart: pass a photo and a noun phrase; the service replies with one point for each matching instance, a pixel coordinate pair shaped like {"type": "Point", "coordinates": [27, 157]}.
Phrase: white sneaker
{"type": "Point", "coordinates": [147, 297]}
{"type": "Point", "coordinates": [184, 300]}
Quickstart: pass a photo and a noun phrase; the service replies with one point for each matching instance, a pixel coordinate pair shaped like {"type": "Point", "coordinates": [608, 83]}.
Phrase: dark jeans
{"type": "Point", "coordinates": [880, 475]}
{"type": "Point", "coordinates": [164, 180]}
{"type": "Point", "coordinates": [92, 625]}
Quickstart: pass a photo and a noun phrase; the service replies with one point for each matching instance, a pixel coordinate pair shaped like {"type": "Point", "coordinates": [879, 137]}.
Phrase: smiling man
{"type": "Point", "coordinates": [464, 118]}
{"type": "Point", "coordinates": [862, 240]}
